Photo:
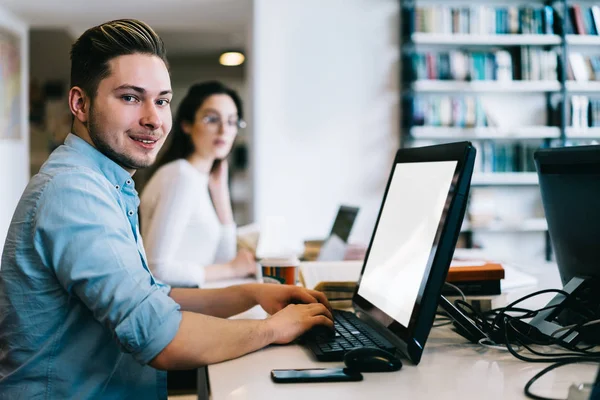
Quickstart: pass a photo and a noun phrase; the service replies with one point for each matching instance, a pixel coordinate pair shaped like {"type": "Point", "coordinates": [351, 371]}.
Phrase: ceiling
{"type": "Point", "coordinates": [186, 26]}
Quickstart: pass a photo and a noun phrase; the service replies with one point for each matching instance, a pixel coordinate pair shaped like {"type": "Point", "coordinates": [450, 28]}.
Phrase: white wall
{"type": "Point", "coordinates": [14, 153]}
{"type": "Point", "coordinates": [324, 99]}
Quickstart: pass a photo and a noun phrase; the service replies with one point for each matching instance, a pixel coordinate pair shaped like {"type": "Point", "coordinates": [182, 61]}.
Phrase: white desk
{"type": "Point", "coordinates": [450, 368]}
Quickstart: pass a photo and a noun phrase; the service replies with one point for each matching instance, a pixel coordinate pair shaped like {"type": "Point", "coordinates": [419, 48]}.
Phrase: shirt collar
{"type": "Point", "coordinates": [116, 174]}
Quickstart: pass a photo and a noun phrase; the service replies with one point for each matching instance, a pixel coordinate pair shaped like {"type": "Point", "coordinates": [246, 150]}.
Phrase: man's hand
{"type": "Point", "coordinates": [273, 297]}
{"type": "Point", "coordinates": [295, 319]}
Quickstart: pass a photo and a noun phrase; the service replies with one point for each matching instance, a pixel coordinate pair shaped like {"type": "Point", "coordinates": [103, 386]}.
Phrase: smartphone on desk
{"type": "Point", "coordinates": [315, 375]}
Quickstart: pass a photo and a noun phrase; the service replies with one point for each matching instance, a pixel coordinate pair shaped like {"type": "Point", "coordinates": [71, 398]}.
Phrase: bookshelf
{"type": "Point", "coordinates": [528, 225]}
{"type": "Point", "coordinates": [455, 39]}
{"type": "Point", "coordinates": [486, 132]}
{"type": "Point", "coordinates": [440, 86]}
{"type": "Point", "coordinates": [510, 77]}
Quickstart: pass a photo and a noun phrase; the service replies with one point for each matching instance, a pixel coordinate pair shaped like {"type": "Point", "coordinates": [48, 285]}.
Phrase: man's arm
{"type": "Point", "coordinates": [222, 303]}
{"type": "Point", "coordinates": [203, 340]}
{"type": "Point", "coordinates": [232, 300]}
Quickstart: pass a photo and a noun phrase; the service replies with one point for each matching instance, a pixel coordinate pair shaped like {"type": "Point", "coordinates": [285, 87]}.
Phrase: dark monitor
{"type": "Point", "coordinates": [570, 186]}
{"type": "Point", "coordinates": [344, 220]}
{"type": "Point", "coordinates": [596, 388]}
{"type": "Point", "coordinates": [569, 180]}
{"type": "Point", "coordinates": [413, 242]}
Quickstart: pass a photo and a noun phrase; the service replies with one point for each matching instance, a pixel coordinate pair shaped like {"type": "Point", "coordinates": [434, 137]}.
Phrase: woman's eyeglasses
{"type": "Point", "coordinates": [214, 122]}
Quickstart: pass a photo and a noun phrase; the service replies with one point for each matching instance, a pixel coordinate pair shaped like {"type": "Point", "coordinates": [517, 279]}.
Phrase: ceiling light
{"type": "Point", "coordinates": [231, 58]}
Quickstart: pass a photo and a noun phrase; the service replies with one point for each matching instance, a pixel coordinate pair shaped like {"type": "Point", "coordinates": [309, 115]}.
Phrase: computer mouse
{"type": "Point", "coordinates": [371, 359]}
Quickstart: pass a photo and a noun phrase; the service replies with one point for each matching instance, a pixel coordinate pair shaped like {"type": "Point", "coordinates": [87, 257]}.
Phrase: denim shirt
{"type": "Point", "coordinates": [80, 313]}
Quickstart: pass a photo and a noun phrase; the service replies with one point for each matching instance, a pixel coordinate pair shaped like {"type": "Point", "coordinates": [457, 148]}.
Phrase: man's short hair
{"type": "Point", "coordinates": [93, 50]}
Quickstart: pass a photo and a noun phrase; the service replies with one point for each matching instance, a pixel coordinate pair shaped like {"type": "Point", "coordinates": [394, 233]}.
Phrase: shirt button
{"type": "Point", "coordinates": [128, 181]}
{"type": "Point", "coordinates": [117, 187]}
{"type": "Point", "coordinates": [130, 212]}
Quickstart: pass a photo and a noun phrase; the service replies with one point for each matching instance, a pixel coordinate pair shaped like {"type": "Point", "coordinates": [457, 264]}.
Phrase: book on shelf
{"type": "Point", "coordinates": [581, 20]}
{"type": "Point", "coordinates": [595, 13]}
{"type": "Point", "coordinates": [479, 20]}
{"type": "Point", "coordinates": [583, 68]}
{"type": "Point", "coordinates": [584, 112]}
{"type": "Point", "coordinates": [456, 111]}
{"type": "Point", "coordinates": [527, 63]}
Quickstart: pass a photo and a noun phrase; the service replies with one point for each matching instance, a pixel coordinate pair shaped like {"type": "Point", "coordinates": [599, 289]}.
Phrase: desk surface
{"type": "Point", "coordinates": [451, 368]}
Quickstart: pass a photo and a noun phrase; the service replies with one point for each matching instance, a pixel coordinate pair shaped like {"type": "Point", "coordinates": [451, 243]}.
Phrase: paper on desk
{"type": "Point", "coordinates": [514, 278]}
{"type": "Point", "coordinates": [277, 239]}
{"type": "Point", "coordinates": [333, 249]}
{"type": "Point", "coordinates": [467, 263]}
{"type": "Point", "coordinates": [314, 272]}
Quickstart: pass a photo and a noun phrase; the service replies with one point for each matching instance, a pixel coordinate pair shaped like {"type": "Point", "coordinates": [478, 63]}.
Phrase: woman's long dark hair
{"type": "Point", "coordinates": [181, 145]}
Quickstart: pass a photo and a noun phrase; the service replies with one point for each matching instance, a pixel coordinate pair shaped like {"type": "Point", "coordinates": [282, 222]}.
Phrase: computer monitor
{"type": "Point", "coordinates": [344, 221]}
{"type": "Point", "coordinates": [413, 242]}
{"type": "Point", "coordinates": [570, 186]}
{"type": "Point", "coordinates": [569, 180]}
{"type": "Point", "coordinates": [596, 388]}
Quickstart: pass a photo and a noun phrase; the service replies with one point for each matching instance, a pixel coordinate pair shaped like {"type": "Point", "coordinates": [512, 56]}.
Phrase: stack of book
{"type": "Point", "coordinates": [336, 279]}
{"type": "Point", "coordinates": [474, 278]}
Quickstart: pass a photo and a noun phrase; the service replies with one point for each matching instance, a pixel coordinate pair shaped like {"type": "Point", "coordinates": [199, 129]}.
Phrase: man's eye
{"type": "Point", "coordinates": [163, 102]}
{"type": "Point", "coordinates": [129, 98]}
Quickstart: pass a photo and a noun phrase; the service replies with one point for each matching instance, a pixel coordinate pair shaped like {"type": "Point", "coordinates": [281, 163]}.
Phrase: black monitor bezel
{"type": "Point", "coordinates": [414, 336]}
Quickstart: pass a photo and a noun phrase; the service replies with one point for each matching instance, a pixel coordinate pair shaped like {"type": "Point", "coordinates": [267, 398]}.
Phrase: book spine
{"type": "Point", "coordinates": [474, 288]}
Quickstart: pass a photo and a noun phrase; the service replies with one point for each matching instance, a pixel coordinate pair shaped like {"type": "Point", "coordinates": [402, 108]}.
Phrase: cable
{"type": "Point", "coordinates": [568, 327]}
{"type": "Point", "coordinates": [462, 294]}
{"type": "Point", "coordinates": [442, 319]}
{"type": "Point", "coordinates": [537, 376]}
{"type": "Point", "coordinates": [485, 342]}
{"type": "Point", "coordinates": [507, 331]}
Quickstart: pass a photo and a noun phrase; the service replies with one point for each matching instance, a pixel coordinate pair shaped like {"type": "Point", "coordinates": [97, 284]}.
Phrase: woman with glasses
{"type": "Point", "coordinates": [187, 220]}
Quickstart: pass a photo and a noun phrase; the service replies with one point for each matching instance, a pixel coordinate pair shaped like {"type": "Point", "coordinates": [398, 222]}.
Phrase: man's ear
{"type": "Point", "coordinates": [79, 104]}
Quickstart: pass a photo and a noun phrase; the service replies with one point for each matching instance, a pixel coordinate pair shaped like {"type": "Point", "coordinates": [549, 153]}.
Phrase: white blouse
{"type": "Point", "coordinates": [180, 227]}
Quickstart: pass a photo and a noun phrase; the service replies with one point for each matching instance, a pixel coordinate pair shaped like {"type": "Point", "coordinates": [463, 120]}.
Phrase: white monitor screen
{"type": "Point", "coordinates": [405, 235]}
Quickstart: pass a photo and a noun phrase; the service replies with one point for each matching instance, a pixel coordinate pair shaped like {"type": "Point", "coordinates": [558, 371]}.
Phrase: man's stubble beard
{"type": "Point", "coordinates": [123, 160]}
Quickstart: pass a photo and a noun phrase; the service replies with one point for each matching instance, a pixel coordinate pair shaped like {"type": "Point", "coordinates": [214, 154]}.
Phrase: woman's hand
{"type": "Point", "coordinates": [219, 178]}
{"type": "Point", "coordinates": [243, 264]}
{"type": "Point", "coordinates": [218, 182]}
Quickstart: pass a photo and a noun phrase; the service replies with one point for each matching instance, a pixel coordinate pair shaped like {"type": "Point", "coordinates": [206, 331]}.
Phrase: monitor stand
{"type": "Point", "coordinates": [584, 293]}
{"type": "Point", "coordinates": [463, 324]}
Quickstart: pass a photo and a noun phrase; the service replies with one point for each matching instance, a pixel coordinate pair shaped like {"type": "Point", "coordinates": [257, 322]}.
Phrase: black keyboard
{"type": "Point", "coordinates": [350, 333]}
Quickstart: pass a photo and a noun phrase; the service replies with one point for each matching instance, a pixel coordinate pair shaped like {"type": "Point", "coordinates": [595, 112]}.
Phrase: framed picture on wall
{"type": "Point", "coordinates": [10, 86]}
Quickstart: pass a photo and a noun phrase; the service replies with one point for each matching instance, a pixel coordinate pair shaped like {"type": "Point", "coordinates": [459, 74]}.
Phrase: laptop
{"type": "Point", "coordinates": [569, 180]}
{"type": "Point", "coordinates": [408, 256]}
{"type": "Point", "coordinates": [344, 221]}
{"type": "Point", "coordinates": [334, 247]}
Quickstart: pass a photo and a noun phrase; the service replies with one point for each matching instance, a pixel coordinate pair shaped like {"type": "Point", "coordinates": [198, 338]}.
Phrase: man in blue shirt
{"type": "Point", "coordinates": [80, 314]}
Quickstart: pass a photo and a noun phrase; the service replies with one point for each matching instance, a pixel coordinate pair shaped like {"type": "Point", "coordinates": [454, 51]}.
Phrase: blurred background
{"type": "Point", "coordinates": [332, 88]}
